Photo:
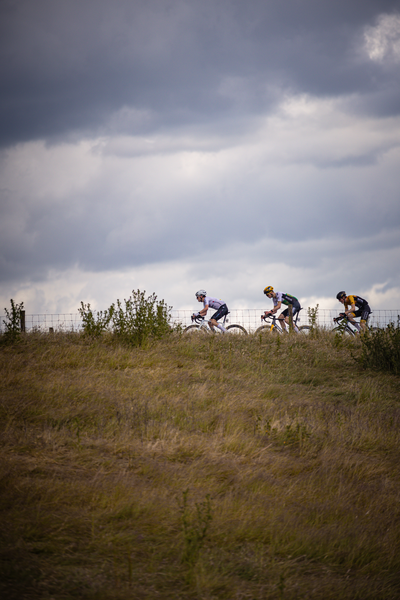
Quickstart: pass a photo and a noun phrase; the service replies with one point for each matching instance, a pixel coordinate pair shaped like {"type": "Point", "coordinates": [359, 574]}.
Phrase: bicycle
{"type": "Point", "coordinates": [343, 326]}
{"type": "Point", "coordinates": [202, 326]}
{"type": "Point", "coordinates": [275, 327]}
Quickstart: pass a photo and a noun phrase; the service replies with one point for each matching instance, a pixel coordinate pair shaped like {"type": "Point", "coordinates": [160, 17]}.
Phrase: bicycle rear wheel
{"type": "Point", "coordinates": [305, 329]}
{"type": "Point", "coordinates": [236, 329]}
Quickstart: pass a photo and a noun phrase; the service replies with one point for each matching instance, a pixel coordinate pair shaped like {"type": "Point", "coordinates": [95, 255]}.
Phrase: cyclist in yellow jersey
{"type": "Point", "coordinates": [355, 306]}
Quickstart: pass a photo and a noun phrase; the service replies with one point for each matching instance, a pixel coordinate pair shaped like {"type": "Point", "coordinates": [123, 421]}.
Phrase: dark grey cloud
{"type": "Point", "coordinates": [114, 223]}
{"type": "Point", "coordinates": [67, 66]}
{"type": "Point", "coordinates": [224, 135]}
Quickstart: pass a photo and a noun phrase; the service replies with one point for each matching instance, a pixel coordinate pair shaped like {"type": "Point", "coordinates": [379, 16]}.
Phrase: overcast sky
{"type": "Point", "coordinates": [172, 145]}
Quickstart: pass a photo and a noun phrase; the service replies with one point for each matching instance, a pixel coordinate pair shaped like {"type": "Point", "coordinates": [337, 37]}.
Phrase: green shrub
{"type": "Point", "coordinates": [140, 319]}
{"type": "Point", "coordinates": [95, 323]}
{"type": "Point", "coordinates": [313, 319]}
{"type": "Point", "coordinates": [132, 322]}
{"type": "Point", "coordinates": [381, 349]}
{"type": "Point", "coordinates": [13, 324]}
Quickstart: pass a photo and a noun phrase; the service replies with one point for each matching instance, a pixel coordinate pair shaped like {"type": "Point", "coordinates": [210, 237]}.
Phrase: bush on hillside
{"type": "Point", "coordinates": [381, 349]}
{"type": "Point", "coordinates": [13, 323]}
{"type": "Point", "coordinates": [140, 318]}
{"type": "Point", "coordinates": [132, 322]}
{"type": "Point", "coordinates": [95, 323]}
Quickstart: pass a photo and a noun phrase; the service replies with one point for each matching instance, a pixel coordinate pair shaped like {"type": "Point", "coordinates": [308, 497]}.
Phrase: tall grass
{"type": "Point", "coordinates": [198, 468]}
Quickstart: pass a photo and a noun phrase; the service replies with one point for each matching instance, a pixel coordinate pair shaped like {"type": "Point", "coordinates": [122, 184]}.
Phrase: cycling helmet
{"type": "Point", "coordinates": [200, 293]}
{"type": "Point", "coordinates": [340, 295]}
{"type": "Point", "coordinates": [268, 289]}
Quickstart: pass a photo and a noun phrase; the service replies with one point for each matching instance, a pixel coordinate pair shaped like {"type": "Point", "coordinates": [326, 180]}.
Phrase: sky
{"type": "Point", "coordinates": [172, 145]}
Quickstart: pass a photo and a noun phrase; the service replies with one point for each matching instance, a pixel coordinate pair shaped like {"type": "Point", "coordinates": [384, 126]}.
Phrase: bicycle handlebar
{"type": "Point", "coordinates": [340, 317]}
{"type": "Point", "coordinates": [197, 318]}
{"type": "Point", "coordinates": [265, 317]}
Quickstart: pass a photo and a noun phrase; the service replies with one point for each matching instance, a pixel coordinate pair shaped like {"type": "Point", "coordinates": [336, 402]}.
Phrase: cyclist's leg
{"type": "Point", "coordinates": [213, 321]}
{"type": "Point", "coordinates": [283, 318]}
{"type": "Point", "coordinates": [296, 309]}
{"type": "Point", "coordinates": [221, 312]}
{"type": "Point", "coordinates": [365, 312]}
{"type": "Point", "coordinates": [354, 315]}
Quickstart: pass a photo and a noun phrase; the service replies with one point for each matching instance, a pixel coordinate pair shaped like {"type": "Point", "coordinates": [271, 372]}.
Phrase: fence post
{"type": "Point", "coordinates": [22, 315]}
{"type": "Point", "coordinates": [290, 307]}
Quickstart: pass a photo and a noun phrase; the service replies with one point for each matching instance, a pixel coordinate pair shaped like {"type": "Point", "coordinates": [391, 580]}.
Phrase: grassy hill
{"type": "Point", "coordinates": [196, 467]}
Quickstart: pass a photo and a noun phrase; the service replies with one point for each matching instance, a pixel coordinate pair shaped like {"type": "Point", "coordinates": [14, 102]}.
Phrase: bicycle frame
{"type": "Point", "coordinates": [343, 323]}
{"type": "Point", "coordinates": [202, 324]}
{"type": "Point", "coordinates": [275, 324]}
{"type": "Point", "coordinates": [205, 323]}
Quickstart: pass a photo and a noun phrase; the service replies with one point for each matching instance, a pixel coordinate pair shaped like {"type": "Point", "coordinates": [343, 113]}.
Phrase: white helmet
{"type": "Point", "coordinates": [200, 293]}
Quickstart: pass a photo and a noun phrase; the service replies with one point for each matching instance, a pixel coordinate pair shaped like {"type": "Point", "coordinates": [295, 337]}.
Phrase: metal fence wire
{"type": "Point", "coordinates": [249, 318]}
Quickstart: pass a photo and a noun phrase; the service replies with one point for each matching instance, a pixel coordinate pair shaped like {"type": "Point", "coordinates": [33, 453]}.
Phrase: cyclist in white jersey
{"type": "Point", "coordinates": [215, 303]}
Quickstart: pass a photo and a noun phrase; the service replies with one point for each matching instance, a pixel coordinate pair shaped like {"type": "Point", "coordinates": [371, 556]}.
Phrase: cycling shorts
{"type": "Point", "coordinates": [221, 312]}
{"type": "Point", "coordinates": [362, 312]}
{"type": "Point", "coordinates": [296, 307]}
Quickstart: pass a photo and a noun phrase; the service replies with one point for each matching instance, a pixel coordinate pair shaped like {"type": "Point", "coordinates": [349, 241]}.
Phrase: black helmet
{"type": "Point", "coordinates": [340, 295]}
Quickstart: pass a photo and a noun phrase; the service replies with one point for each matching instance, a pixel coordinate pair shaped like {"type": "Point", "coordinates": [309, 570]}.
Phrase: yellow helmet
{"type": "Point", "coordinates": [268, 289]}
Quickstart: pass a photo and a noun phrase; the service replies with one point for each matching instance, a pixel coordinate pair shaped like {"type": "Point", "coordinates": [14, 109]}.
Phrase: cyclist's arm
{"type": "Point", "coordinates": [203, 311]}
{"type": "Point", "coordinates": [276, 307]}
{"type": "Point", "coordinates": [273, 310]}
{"type": "Point", "coordinates": [350, 310]}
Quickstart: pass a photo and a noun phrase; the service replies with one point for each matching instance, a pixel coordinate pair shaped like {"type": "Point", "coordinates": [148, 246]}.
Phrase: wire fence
{"type": "Point", "coordinates": [249, 318]}
{"type": "Point", "coordinates": [47, 322]}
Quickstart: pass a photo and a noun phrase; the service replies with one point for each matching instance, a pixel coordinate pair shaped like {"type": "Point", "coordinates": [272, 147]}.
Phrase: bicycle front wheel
{"type": "Point", "coordinates": [194, 329]}
{"type": "Point", "coordinates": [264, 329]}
{"type": "Point", "coordinates": [236, 329]}
{"type": "Point", "coordinates": [345, 331]}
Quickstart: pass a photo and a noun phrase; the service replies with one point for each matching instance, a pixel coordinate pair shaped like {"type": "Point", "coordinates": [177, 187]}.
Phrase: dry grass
{"type": "Point", "coordinates": [297, 447]}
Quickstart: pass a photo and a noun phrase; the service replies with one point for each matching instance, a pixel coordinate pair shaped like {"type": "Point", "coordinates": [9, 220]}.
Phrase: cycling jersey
{"type": "Point", "coordinates": [357, 300]}
{"type": "Point", "coordinates": [284, 299]}
{"type": "Point", "coordinates": [218, 305]}
{"type": "Point", "coordinates": [214, 303]}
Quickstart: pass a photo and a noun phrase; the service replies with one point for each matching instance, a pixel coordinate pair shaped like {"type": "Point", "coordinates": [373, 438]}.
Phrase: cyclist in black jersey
{"type": "Point", "coordinates": [355, 306]}
{"type": "Point", "coordinates": [278, 299]}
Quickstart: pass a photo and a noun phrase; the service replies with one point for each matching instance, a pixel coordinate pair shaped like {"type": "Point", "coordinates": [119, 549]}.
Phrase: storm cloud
{"type": "Point", "coordinates": [184, 144]}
